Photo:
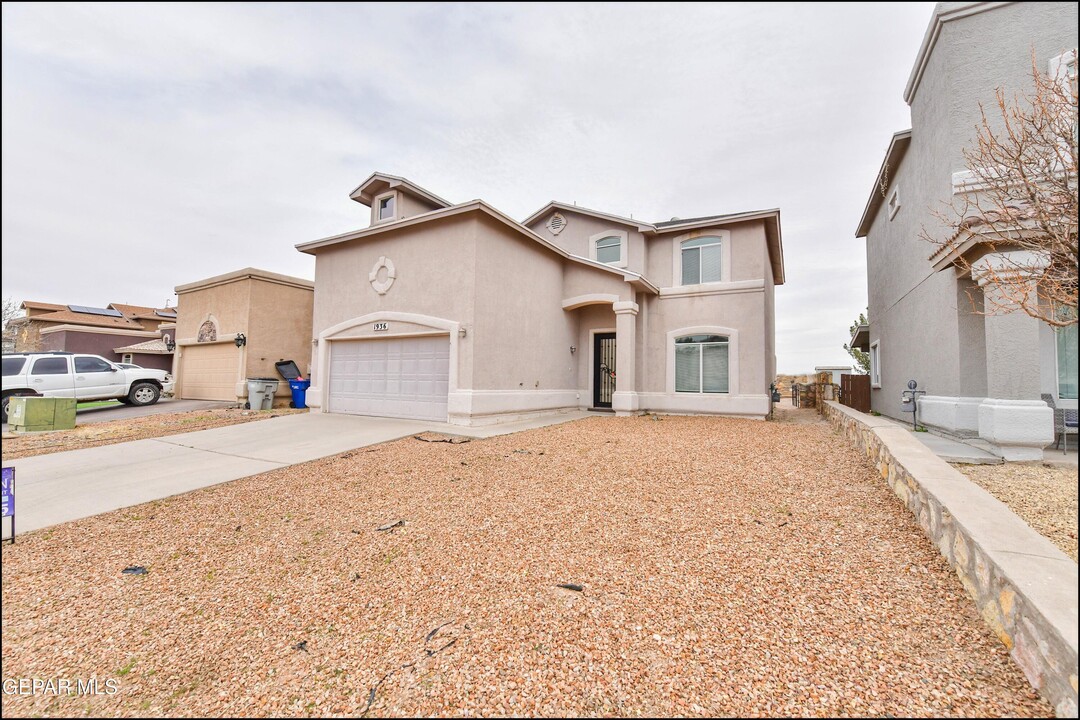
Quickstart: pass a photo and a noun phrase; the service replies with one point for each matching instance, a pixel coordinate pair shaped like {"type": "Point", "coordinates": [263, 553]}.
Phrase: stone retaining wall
{"type": "Point", "coordinates": [1024, 586]}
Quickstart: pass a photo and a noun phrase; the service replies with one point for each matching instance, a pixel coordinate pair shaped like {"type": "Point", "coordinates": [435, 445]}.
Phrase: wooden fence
{"type": "Point", "coordinates": [855, 392]}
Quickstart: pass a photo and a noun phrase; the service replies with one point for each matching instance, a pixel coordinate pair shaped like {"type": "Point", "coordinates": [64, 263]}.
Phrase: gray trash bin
{"type": "Point", "coordinates": [261, 393]}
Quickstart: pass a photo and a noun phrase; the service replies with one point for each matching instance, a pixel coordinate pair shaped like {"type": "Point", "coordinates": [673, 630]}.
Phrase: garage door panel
{"type": "Point", "coordinates": [208, 372]}
{"type": "Point", "coordinates": [400, 377]}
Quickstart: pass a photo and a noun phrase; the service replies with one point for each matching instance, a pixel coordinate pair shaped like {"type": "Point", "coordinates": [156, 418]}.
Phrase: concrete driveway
{"type": "Point", "coordinates": [52, 489]}
{"type": "Point", "coordinates": [165, 405]}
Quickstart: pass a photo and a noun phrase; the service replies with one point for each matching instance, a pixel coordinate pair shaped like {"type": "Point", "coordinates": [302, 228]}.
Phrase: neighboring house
{"type": "Point", "coordinates": [459, 313]}
{"type": "Point", "coordinates": [834, 371]}
{"type": "Point", "coordinates": [985, 376]}
{"type": "Point", "coordinates": [157, 353]}
{"type": "Point", "coordinates": [236, 326]}
{"type": "Point", "coordinates": [107, 331]}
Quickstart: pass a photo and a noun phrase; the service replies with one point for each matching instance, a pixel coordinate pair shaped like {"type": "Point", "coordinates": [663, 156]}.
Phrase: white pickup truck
{"type": "Point", "coordinates": [83, 377]}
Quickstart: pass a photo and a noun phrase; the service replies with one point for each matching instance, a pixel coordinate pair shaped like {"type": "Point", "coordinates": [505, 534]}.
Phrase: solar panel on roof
{"type": "Point", "coordinates": [161, 313]}
{"type": "Point", "coordinates": [107, 312]}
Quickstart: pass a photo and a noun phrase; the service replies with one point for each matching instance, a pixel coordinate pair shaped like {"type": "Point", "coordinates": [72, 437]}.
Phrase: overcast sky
{"type": "Point", "coordinates": [149, 146]}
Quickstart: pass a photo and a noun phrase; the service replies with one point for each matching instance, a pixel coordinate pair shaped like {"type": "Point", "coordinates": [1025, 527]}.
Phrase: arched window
{"type": "Point", "coordinates": [609, 249]}
{"type": "Point", "coordinates": [701, 260]}
{"type": "Point", "coordinates": [701, 364]}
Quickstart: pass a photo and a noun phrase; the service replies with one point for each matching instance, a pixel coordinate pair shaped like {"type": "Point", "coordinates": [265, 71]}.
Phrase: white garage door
{"type": "Point", "coordinates": [209, 372]}
{"type": "Point", "coordinates": [395, 377]}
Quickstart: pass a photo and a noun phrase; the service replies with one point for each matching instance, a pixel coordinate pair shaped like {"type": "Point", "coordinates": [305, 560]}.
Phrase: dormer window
{"type": "Point", "coordinates": [385, 208]}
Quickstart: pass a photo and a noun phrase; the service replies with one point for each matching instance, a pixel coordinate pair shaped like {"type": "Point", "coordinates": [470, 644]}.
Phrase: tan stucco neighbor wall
{"type": "Point", "coordinates": [279, 328]}
{"type": "Point", "coordinates": [272, 311]}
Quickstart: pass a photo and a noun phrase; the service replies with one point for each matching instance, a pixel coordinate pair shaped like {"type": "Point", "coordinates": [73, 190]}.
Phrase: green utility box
{"type": "Point", "coordinates": [35, 414]}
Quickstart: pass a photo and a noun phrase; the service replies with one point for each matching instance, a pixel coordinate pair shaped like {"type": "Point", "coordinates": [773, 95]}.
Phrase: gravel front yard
{"type": "Point", "coordinates": [728, 567]}
{"type": "Point", "coordinates": [118, 431]}
{"type": "Point", "coordinates": [1044, 496]}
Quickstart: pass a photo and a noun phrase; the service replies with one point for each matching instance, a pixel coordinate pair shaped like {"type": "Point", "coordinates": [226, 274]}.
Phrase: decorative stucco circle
{"type": "Point", "coordinates": [381, 286]}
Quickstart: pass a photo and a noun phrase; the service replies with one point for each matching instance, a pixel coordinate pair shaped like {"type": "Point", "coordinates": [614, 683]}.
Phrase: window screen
{"type": "Point", "coordinates": [701, 364]}
{"type": "Point", "coordinates": [701, 260]}
{"type": "Point", "coordinates": [609, 249]}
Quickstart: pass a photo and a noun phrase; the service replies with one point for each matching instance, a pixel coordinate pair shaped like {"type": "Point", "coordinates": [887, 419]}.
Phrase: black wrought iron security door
{"type": "Point", "coordinates": [603, 369]}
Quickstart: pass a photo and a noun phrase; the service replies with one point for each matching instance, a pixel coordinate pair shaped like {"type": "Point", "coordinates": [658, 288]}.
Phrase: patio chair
{"type": "Point", "coordinates": [1064, 422]}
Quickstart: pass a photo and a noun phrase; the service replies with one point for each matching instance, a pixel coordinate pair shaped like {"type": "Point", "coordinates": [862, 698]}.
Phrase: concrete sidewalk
{"type": "Point", "coordinates": [950, 450]}
{"type": "Point", "coordinates": [52, 489]}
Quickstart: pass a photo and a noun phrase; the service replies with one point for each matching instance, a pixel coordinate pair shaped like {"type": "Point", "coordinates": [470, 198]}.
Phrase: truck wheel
{"type": "Point", "coordinates": [144, 393]}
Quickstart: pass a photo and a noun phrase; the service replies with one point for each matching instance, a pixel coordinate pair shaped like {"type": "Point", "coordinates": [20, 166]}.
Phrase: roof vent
{"type": "Point", "coordinates": [676, 219]}
{"type": "Point", "coordinates": [556, 224]}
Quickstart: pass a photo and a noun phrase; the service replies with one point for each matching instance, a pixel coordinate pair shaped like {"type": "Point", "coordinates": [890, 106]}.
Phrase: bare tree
{"type": "Point", "coordinates": [11, 310]}
{"type": "Point", "coordinates": [1014, 229]}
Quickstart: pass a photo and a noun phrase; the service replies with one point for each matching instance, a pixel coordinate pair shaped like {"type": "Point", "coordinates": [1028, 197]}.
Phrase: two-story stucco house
{"type": "Point", "coordinates": [986, 376]}
{"type": "Point", "coordinates": [459, 313]}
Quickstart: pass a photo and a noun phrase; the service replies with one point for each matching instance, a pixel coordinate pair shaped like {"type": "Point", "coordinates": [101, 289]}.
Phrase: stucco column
{"type": "Point", "coordinates": [625, 399]}
{"type": "Point", "coordinates": [1013, 418]}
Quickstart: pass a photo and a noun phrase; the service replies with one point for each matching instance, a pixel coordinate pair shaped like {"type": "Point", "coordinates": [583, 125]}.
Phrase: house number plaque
{"type": "Point", "coordinates": [380, 326]}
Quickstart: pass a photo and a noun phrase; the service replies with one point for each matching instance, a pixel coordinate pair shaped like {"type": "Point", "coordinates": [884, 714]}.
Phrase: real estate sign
{"type": "Point", "coordinates": [7, 497]}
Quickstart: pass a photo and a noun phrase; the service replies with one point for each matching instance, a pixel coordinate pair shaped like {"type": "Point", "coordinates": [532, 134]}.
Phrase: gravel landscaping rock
{"type": "Point", "coordinates": [1043, 495]}
{"type": "Point", "coordinates": [117, 431]}
{"type": "Point", "coordinates": [729, 567]}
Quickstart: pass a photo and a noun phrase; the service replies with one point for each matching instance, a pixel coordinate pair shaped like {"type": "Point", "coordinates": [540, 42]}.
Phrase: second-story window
{"type": "Point", "coordinates": [386, 208]}
{"type": "Point", "coordinates": [700, 260]}
{"type": "Point", "coordinates": [609, 249]}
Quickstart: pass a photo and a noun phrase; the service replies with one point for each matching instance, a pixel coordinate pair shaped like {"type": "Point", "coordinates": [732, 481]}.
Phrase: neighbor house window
{"type": "Point", "coordinates": [386, 207]}
{"type": "Point", "coordinates": [875, 364]}
{"type": "Point", "coordinates": [701, 364]}
{"type": "Point", "coordinates": [127, 357]}
{"type": "Point", "coordinates": [700, 260]}
{"type": "Point", "coordinates": [1066, 362]}
{"type": "Point", "coordinates": [609, 249]}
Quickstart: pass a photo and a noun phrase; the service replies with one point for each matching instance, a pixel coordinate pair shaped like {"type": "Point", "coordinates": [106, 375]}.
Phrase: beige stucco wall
{"type": "Point", "coordinates": [742, 312]}
{"type": "Point", "coordinates": [749, 253]}
{"type": "Point", "coordinates": [434, 265]}
{"type": "Point", "coordinates": [409, 205]}
{"type": "Point", "coordinates": [278, 328]}
{"type": "Point", "coordinates": [590, 320]}
{"type": "Point", "coordinates": [523, 337]}
{"type": "Point", "coordinates": [580, 229]}
{"type": "Point", "coordinates": [228, 303]}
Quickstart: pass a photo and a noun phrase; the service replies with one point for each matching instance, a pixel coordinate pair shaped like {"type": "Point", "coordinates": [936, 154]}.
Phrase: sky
{"type": "Point", "coordinates": [148, 146]}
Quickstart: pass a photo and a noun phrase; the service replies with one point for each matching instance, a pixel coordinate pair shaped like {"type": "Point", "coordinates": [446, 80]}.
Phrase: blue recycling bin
{"type": "Point", "coordinates": [299, 392]}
